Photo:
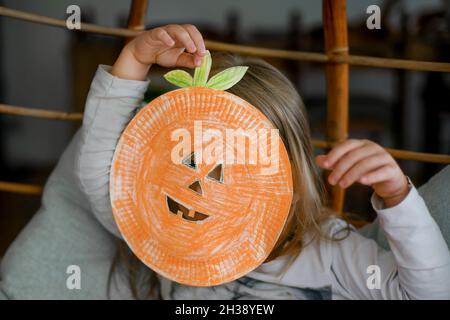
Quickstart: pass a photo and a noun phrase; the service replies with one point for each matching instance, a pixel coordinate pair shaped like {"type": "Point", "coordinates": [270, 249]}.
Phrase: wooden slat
{"type": "Point", "coordinates": [336, 45]}
{"type": "Point", "coordinates": [396, 153]}
{"type": "Point", "coordinates": [248, 50]}
{"type": "Point", "coordinates": [269, 53]}
{"type": "Point", "coordinates": [136, 17]}
{"type": "Point", "coordinates": [20, 188]}
{"type": "Point", "coordinates": [40, 113]}
{"type": "Point", "coordinates": [85, 27]}
{"type": "Point", "coordinates": [390, 63]}
{"type": "Point", "coordinates": [419, 156]}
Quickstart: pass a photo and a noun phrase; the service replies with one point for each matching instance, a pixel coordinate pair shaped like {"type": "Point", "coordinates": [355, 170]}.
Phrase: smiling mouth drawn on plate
{"type": "Point", "coordinates": [180, 210]}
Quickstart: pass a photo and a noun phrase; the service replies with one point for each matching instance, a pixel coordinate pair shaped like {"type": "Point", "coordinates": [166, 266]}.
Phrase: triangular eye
{"type": "Point", "coordinates": [190, 161]}
{"type": "Point", "coordinates": [196, 187]}
{"type": "Point", "coordinates": [216, 173]}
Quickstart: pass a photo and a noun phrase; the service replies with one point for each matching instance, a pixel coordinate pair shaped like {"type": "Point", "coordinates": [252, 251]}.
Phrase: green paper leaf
{"type": "Point", "coordinates": [179, 78]}
{"type": "Point", "coordinates": [201, 73]}
{"type": "Point", "coordinates": [227, 78]}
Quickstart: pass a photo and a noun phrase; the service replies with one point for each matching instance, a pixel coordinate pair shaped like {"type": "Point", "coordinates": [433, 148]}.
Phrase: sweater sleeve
{"type": "Point", "coordinates": [418, 267]}
{"type": "Point", "coordinates": [110, 105]}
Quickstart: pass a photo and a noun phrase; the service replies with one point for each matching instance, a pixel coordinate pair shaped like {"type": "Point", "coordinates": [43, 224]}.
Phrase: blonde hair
{"type": "Point", "coordinates": [273, 94]}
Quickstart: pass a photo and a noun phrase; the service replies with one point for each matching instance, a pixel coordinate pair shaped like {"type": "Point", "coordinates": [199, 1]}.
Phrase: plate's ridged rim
{"type": "Point", "coordinates": [175, 276]}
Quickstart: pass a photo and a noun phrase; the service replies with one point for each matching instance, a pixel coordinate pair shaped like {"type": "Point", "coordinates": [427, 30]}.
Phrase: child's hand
{"type": "Point", "coordinates": [169, 46]}
{"type": "Point", "coordinates": [366, 162]}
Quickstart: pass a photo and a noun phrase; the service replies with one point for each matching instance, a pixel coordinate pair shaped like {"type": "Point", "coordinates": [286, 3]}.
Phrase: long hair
{"type": "Point", "coordinates": [273, 94]}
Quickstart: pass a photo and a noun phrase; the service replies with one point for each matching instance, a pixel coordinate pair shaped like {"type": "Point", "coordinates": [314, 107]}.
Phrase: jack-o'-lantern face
{"type": "Point", "coordinates": [193, 219]}
{"type": "Point", "coordinates": [183, 211]}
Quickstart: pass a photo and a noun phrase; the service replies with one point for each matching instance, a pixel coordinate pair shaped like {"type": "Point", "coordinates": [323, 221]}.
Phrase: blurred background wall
{"type": "Point", "coordinates": [47, 67]}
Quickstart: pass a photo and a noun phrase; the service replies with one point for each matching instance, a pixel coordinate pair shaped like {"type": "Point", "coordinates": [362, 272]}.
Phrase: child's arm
{"type": "Point", "coordinates": [419, 265]}
{"type": "Point", "coordinates": [114, 96]}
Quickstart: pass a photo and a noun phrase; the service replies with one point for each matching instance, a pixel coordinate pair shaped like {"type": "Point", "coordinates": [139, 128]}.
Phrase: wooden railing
{"type": "Point", "coordinates": [336, 58]}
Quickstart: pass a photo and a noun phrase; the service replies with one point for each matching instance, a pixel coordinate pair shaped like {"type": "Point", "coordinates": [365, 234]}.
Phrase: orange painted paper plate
{"type": "Point", "coordinates": [201, 182]}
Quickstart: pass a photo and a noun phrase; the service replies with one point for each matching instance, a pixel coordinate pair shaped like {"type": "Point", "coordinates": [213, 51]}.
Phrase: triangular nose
{"type": "Point", "coordinates": [196, 186]}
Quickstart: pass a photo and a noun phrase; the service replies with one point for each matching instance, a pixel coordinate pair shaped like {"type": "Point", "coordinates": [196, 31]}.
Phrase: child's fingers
{"type": "Point", "coordinates": [163, 36]}
{"type": "Point", "coordinates": [338, 151]}
{"type": "Point", "coordinates": [186, 60]}
{"type": "Point", "coordinates": [197, 37]}
{"type": "Point", "coordinates": [363, 167]}
{"type": "Point", "coordinates": [182, 36]}
{"type": "Point", "coordinates": [349, 159]}
{"type": "Point", "coordinates": [381, 174]}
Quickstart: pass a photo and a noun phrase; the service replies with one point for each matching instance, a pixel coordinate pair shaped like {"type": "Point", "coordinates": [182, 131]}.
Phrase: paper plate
{"type": "Point", "coordinates": [196, 220]}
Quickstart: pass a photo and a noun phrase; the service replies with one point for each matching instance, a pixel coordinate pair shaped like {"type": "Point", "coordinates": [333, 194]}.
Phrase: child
{"type": "Point", "coordinates": [315, 253]}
